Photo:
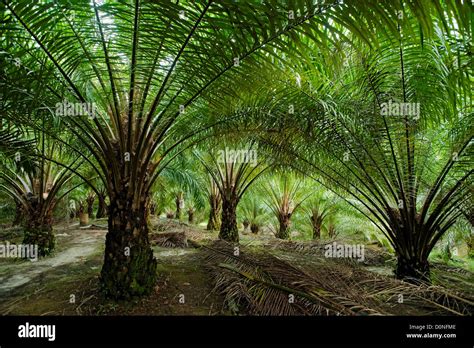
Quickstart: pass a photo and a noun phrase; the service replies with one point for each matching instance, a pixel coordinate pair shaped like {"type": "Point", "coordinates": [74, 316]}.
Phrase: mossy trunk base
{"type": "Point", "coordinates": [412, 271]}
{"type": "Point", "coordinates": [42, 236]}
{"type": "Point", "coordinates": [284, 228]}
{"type": "Point", "coordinates": [316, 232]}
{"type": "Point", "coordinates": [213, 223]}
{"type": "Point", "coordinates": [254, 228]}
{"type": "Point", "coordinates": [129, 268]}
{"type": "Point", "coordinates": [229, 230]}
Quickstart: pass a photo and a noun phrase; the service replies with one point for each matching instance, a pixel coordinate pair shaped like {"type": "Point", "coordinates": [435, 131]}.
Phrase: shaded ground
{"type": "Point", "coordinates": [66, 283]}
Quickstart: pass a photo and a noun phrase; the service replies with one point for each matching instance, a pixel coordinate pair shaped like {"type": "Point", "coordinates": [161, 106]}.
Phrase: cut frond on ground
{"type": "Point", "coordinates": [373, 255]}
{"type": "Point", "coordinates": [259, 283]}
{"type": "Point", "coordinates": [169, 240]}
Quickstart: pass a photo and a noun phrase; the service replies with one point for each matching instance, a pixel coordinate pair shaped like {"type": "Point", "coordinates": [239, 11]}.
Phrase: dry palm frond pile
{"type": "Point", "coordinates": [259, 283]}
{"type": "Point", "coordinates": [372, 255]}
{"type": "Point", "coordinates": [163, 231]}
{"type": "Point", "coordinates": [169, 239]}
{"type": "Point", "coordinates": [161, 225]}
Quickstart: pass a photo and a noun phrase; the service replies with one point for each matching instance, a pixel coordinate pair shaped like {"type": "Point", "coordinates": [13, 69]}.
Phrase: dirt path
{"type": "Point", "coordinates": [74, 246]}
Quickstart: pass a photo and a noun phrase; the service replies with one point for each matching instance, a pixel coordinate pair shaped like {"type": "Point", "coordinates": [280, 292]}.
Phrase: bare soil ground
{"type": "Point", "coordinates": [66, 283]}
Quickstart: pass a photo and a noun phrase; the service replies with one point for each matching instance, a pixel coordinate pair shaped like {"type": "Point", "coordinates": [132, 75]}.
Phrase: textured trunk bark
{"type": "Point", "coordinates": [129, 266]}
{"type": "Point", "coordinates": [39, 228]}
{"type": "Point", "coordinates": [18, 214]}
{"type": "Point", "coordinates": [229, 230]}
{"type": "Point", "coordinates": [83, 219]}
{"type": "Point", "coordinates": [101, 208]}
{"type": "Point", "coordinates": [191, 216]}
{"type": "Point", "coordinates": [316, 232]}
{"type": "Point", "coordinates": [152, 209]}
{"type": "Point", "coordinates": [284, 230]}
{"type": "Point", "coordinates": [316, 223]}
{"type": "Point", "coordinates": [213, 223]}
{"type": "Point", "coordinates": [40, 234]}
{"type": "Point", "coordinates": [254, 228]}
{"type": "Point", "coordinates": [412, 259]}
{"type": "Point", "coordinates": [90, 206]}
{"type": "Point", "coordinates": [179, 205]}
{"type": "Point", "coordinates": [412, 270]}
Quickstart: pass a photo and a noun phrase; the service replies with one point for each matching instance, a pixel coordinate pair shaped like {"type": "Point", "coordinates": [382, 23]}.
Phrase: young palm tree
{"type": "Point", "coordinates": [90, 203]}
{"type": "Point", "coordinates": [321, 208]}
{"type": "Point", "coordinates": [253, 213]}
{"type": "Point", "coordinates": [38, 192]}
{"type": "Point", "coordinates": [191, 210]}
{"type": "Point", "coordinates": [285, 196]}
{"type": "Point", "coordinates": [233, 177]}
{"type": "Point", "coordinates": [12, 146]}
{"type": "Point", "coordinates": [318, 216]}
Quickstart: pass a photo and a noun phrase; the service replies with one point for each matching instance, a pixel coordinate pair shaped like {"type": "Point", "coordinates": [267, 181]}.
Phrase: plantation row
{"type": "Point", "coordinates": [300, 119]}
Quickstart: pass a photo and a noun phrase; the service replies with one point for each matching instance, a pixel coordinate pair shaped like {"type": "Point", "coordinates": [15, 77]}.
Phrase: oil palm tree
{"type": "Point", "coordinates": [285, 196]}
{"type": "Point", "coordinates": [253, 212]}
{"type": "Point", "coordinates": [38, 191]}
{"type": "Point", "coordinates": [232, 176]}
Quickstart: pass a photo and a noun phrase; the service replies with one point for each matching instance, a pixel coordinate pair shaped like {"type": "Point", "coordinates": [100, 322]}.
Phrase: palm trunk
{"type": "Point", "coordinates": [229, 230]}
{"type": "Point", "coordinates": [39, 228]}
{"type": "Point", "coordinates": [129, 266]}
{"type": "Point", "coordinates": [332, 231]}
{"type": "Point", "coordinates": [191, 216]}
{"type": "Point", "coordinates": [213, 223]}
{"type": "Point", "coordinates": [412, 261]}
{"type": "Point", "coordinates": [83, 219]}
{"type": "Point", "coordinates": [18, 214]}
{"type": "Point", "coordinates": [254, 228]}
{"type": "Point", "coordinates": [90, 207]}
{"type": "Point", "coordinates": [101, 208]}
{"type": "Point", "coordinates": [316, 223]}
{"type": "Point", "coordinates": [152, 208]}
{"type": "Point", "coordinates": [316, 232]}
{"type": "Point", "coordinates": [412, 256]}
{"type": "Point", "coordinates": [283, 230]}
{"type": "Point", "coordinates": [412, 269]}
{"type": "Point", "coordinates": [179, 205]}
